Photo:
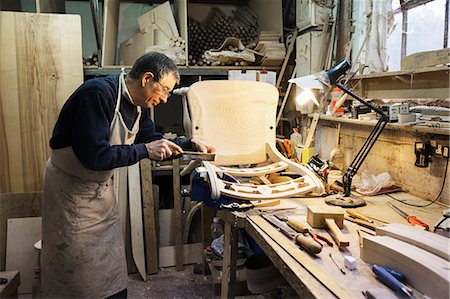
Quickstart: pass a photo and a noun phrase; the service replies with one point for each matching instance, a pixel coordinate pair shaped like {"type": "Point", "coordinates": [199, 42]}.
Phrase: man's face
{"type": "Point", "coordinates": [154, 92]}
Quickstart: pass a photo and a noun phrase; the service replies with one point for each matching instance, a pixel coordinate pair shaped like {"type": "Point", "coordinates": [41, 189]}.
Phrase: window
{"type": "Point", "coordinates": [425, 29]}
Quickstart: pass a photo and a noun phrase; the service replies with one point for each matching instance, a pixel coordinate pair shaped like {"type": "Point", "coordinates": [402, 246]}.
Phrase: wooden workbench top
{"type": "Point", "coordinates": [356, 281]}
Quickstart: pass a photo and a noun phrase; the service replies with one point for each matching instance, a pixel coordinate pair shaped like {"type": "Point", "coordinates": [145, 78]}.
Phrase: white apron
{"type": "Point", "coordinates": [83, 253]}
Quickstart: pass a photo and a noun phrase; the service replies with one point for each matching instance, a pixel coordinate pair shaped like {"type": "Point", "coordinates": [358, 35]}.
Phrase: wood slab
{"type": "Point", "coordinates": [426, 240]}
{"type": "Point", "coordinates": [110, 28]}
{"type": "Point", "coordinates": [40, 66]}
{"type": "Point", "coordinates": [425, 271]}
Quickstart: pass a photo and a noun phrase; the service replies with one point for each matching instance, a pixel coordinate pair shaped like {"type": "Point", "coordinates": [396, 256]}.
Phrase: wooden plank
{"type": "Point", "coordinates": [160, 22]}
{"type": "Point", "coordinates": [286, 60]}
{"type": "Point", "coordinates": [425, 59]}
{"type": "Point", "coordinates": [192, 253]}
{"type": "Point", "coordinates": [22, 234]}
{"type": "Point", "coordinates": [229, 260]}
{"type": "Point", "coordinates": [110, 27]}
{"type": "Point", "coordinates": [425, 271]}
{"type": "Point", "coordinates": [180, 9]}
{"type": "Point", "coordinates": [151, 239]}
{"type": "Point", "coordinates": [16, 205]}
{"type": "Point", "coordinates": [136, 226]}
{"type": "Point", "coordinates": [303, 258]}
{"type": "Point", "coordinates": [426, 240]}
{"type": "Point", "coordinates": [177, 208]}
{"type": "Point", "coordinates": [40, 66]}
{"type": "Point", "coordinates": [56, 6]}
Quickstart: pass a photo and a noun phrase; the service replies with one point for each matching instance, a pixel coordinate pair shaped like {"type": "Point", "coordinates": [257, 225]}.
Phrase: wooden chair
{"type": "Point", "coordinates": [239, 119]}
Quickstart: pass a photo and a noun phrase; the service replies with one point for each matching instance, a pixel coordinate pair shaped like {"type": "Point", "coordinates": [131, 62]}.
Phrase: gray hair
{"type": "Point", "coordinates": [156, 63]}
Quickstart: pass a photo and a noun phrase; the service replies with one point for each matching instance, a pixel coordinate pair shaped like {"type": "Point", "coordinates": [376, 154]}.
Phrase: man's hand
{"type": "Point", "coordinates": [162, 149]}
{"type": "Point", "coordinates": [203, 148]}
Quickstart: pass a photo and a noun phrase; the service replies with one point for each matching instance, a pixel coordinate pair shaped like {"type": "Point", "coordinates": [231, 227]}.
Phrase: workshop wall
{"type": "Point", "coordinates": [393, 152]}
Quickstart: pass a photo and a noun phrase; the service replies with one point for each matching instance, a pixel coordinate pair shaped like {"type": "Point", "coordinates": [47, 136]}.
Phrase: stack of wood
{"type": "Point", "coordinates": [177, 41]}
{"type": "Point", "coordinates": [420, 255]}
{"type": "Point", "coordinates": [91, 60]}
{"type": "Point", "coordinates": [217, 26]}
{"type": "Point", "coordinates": [274, 51]}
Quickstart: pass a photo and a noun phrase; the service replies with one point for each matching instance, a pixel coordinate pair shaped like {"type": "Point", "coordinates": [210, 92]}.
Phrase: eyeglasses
{"type": "Point", "coordinates": [164, 90]}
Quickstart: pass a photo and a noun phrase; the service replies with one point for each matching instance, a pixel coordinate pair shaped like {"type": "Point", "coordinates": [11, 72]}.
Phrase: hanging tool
{"type": "Point", "coordinates": [410, 218]}
{"type": "Point", "coordinates": [389, 280]}
{"type": "Point", "coordinates": [308, 244]}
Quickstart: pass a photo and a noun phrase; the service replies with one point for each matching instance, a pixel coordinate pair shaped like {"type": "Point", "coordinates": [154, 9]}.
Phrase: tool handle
{"type": "Point", "coordinates": [398, 275]}
{"type": "Point", "coordinates": [414, 221]}
{"type": "Point", "coordinates": [390, 281]}
{"type": "Point", "coordinates": [358, 215]}
{"type": "Point", "coordinates": [341, 240]}
{"type": "Point", "coordinates": [298, 226]}
{"type": "Point", "coordinates": [308, 243]}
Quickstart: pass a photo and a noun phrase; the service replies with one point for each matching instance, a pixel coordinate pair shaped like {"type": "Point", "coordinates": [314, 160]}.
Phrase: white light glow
{"type": "Point", "coordinates": [305, 96]}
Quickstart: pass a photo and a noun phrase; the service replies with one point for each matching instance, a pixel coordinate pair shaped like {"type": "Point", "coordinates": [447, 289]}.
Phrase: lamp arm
{"type": "Point", "coordinates": [368, 144]}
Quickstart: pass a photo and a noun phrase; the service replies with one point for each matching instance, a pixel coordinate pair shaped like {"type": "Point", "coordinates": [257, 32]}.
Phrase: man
{"type": "Point", "coordinates": [103, 126]}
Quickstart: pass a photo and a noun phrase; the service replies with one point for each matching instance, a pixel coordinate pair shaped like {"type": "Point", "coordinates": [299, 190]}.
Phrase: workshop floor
{"type": "Point", "coordinates": [169, 283]}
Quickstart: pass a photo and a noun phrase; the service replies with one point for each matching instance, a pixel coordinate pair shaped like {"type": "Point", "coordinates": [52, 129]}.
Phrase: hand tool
{"type": "Point", "coordinates": [340, 268]}
{"type": "Point", "coordinates": [321, 216]}
{"type": "Point", "coordinates": [356, 214]}
{"type": "Point", "coordinates": [308, 244]}
{"type": "Point", "coordinates": [398, 275]}
{"type": "Point", "coordinates": [186, 155]}
{"type": "Point", "coordinates": [390, 281]}
{"type": "Point", "coordinates": [361, 222]}
{"type": "Point", "coordinates": [301, 227]}
{"type": "Point", "coordinates": [410, 218]}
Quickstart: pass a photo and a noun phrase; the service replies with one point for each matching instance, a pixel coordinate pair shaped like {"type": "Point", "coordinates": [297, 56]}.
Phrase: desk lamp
{"type": "Point", "coordinates": [328, 79]}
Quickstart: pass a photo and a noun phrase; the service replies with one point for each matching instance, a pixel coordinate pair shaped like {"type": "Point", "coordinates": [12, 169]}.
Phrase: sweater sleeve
{"type": "Point", "coordinates": [91, 132]}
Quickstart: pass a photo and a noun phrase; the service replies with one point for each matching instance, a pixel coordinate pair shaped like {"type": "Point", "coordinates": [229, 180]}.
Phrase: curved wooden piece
{"type": "Point", "coordinates": [308, 174]}
{"type": "Point", "coordinates": [256, 171]}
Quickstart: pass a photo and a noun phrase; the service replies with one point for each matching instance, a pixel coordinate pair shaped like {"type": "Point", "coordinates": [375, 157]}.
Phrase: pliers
{"type": "Point", "coordinates": [317, 237]}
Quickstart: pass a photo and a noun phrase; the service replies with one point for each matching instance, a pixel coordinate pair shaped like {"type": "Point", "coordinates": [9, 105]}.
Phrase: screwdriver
{"type": "Point", "coordinates": [390, 281]}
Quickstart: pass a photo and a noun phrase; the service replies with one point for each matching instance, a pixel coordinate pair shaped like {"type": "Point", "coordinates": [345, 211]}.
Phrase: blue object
{"type": "Point", "coordinates": [201, 191]}
{"type": "Point", "coordinates": [389, 280]}
{"type": "Point", "coordinates": [398, 275]}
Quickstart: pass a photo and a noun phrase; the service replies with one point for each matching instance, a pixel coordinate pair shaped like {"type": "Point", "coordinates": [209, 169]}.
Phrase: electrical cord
{"type": "Point", "coordinates": [433, 201]}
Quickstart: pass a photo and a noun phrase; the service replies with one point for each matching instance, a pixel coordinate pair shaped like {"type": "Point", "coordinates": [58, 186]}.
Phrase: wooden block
{"type": "Point", "coordinates": [429, 241]}
{"type": "Point", "coordinates": [424, 271]}
{"type": "Point", "coordinates": [318, 213]}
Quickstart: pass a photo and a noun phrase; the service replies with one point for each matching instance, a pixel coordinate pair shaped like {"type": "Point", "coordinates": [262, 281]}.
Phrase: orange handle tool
{"type": "Point", "coordinates": [414, 221]}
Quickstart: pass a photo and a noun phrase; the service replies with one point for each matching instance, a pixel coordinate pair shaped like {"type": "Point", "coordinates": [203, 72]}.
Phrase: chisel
{"type": "Point", "coordinates": [410, 218]}
{"type": "Point", "coordinates": [307, 243]}
{"type": "Point", "coordinates": [358, 215]}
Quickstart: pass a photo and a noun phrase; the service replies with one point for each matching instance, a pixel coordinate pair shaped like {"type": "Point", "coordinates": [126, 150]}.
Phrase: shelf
{"type": "Point", "coordinates": [389, 126]}
{"type": "Point", "coordinates": [432, 82]}
{"type": "Point", "coordinates": [184, 70]}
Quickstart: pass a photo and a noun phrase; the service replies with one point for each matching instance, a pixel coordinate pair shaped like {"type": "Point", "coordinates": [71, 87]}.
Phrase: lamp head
{"type": "Point", "coordinates": [337, 71]}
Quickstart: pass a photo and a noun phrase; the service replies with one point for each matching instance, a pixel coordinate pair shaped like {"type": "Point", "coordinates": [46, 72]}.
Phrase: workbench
{"type": "Point", "coordinates": [285, 254]}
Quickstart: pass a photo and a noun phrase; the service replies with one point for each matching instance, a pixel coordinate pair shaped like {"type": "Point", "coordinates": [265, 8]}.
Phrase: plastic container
{"type": "Point", "coordinates": [216, 228]}
{"type": "Point", "coordinates": [335, 96]}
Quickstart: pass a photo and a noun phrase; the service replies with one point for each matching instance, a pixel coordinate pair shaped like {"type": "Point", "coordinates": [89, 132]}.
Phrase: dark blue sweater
{"type": "Point", "coordinates": [84, 124]}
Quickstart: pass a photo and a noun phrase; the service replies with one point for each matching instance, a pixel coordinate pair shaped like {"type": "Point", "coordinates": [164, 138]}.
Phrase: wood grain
{"type": "Point", "coordinates": [424, 271]}
{"type": "Point", "coordinates": [237, 117]}
{"type": "Point", "coordinates": [429, 241]}
{"type": "Point", "coordinates": [40, 66]}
